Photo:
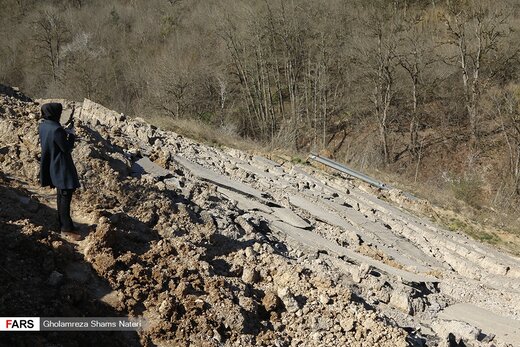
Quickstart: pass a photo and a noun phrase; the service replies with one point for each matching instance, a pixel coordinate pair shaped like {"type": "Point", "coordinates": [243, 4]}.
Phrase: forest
{"type": "Point", "coordinates": [425, 90]}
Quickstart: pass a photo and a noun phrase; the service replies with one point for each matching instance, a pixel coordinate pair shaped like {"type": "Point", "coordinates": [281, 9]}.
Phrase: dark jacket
{"type": "Point", "coordinates": [56, 166]}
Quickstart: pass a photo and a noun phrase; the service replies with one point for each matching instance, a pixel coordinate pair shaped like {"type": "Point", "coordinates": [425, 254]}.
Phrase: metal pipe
{"type": "Point", "coordinates": [340, 167]}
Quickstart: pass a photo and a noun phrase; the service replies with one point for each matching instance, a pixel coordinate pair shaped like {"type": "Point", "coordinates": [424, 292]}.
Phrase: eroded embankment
{"type": "Point", "coordinates": [215, 246]}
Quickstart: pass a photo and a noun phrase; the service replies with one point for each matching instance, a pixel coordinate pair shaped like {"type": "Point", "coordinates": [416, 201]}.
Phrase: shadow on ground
{"type": "Point", "coordinates": [42, 275]}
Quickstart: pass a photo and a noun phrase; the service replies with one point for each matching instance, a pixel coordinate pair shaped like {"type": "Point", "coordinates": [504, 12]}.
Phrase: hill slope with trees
{"type": "Point", "coordinates": [424, 90]}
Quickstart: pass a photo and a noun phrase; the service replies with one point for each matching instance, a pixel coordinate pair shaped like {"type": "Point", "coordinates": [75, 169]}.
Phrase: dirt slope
{"type": "Point", "coordinates": [218, 247]}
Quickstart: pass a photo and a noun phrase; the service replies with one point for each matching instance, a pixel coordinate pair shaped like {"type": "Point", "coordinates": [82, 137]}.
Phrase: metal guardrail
{"type": "Point", "coordinates": [340, 167]}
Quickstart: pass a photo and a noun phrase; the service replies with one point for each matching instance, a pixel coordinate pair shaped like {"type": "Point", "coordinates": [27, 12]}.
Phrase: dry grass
{"type": "Point", "coordinates": [202, 132]}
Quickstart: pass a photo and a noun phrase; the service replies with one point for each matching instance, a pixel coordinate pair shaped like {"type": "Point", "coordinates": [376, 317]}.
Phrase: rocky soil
{"type": "Point", "coordinates": [218, 247]}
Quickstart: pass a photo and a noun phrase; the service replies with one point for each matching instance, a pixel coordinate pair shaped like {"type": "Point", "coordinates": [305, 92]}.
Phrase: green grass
{"type": "Point", "coordinates": [479, 234]}
{"type": "Point", "coordinates": [297, 160]}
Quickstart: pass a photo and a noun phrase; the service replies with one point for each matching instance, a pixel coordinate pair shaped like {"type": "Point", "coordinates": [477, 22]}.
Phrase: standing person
{"type": "Point", "coordinates": [57, 168]}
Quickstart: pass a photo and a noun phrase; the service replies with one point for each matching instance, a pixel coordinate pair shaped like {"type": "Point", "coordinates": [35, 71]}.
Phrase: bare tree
{"type": "Point", "coordinates": [474, 28]}
{"type": "Point", "coordinates": [416, 54]}
{"type": "Point", "coordinates": [506, 108]}
{"type": "Point", "coordinates": [378, 60]}
{"type": "Point", "coordinates": [49, 36]}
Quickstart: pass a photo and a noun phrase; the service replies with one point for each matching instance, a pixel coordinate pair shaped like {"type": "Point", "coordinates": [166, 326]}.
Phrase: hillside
{"type": "Point", "coordinates": [215, 246]}
{"type": "Point", "coordinates": [423, 91]}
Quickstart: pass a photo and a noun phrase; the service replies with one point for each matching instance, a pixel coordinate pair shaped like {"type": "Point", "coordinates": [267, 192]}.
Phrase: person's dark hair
{"type": "Point", "coordinates": [52, 111]}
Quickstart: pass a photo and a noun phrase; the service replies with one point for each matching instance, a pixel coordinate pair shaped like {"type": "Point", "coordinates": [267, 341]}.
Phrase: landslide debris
{"type": "Point", "coordinates": [203, 272]}
{"type": "Point", "coordinates": [217, 247]}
